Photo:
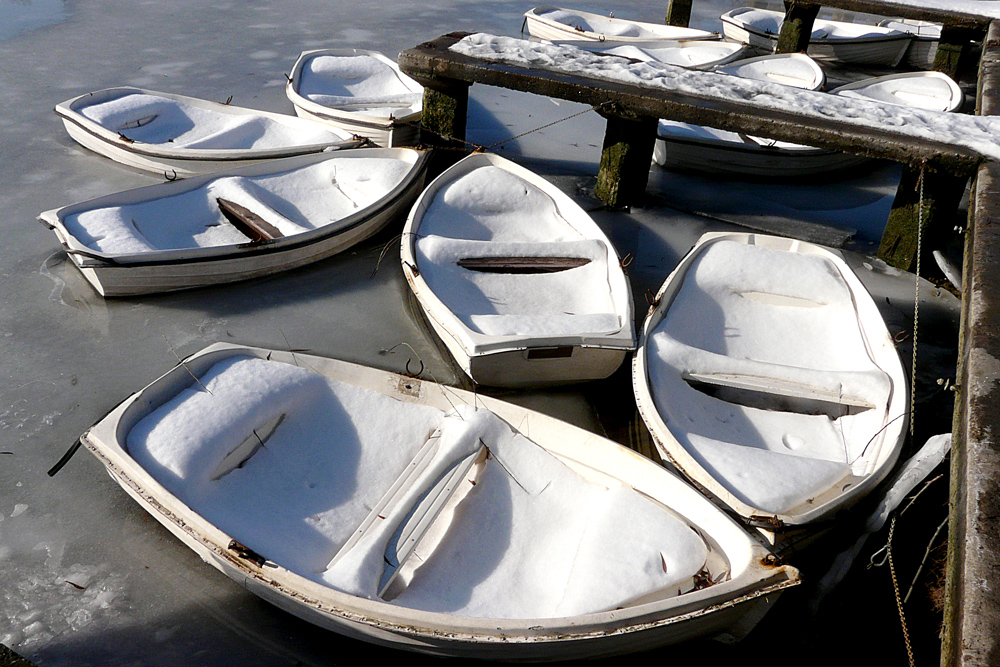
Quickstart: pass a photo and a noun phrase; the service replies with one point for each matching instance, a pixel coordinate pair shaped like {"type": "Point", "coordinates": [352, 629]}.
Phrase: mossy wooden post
{"type": "Point", "coordinates": [678, 13]}
{"type": "Point", "coordinates": [625, 158]}
{"type": "Point", "coordinates": [942, 192]}
{"type": "Point", "coordinates": [971, 621]}
{"type": "Point", "coordinates": [797, 27]}
{"type": "Point", "coordinates": [446, 106]}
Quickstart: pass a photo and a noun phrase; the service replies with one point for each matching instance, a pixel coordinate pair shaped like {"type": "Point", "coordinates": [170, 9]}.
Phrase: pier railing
{"type": "Point", "coordinates": [971, 147]}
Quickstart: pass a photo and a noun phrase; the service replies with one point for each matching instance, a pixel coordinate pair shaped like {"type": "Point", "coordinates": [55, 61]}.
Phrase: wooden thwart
{"type": "Point", "coordinates": [254, 227]}
{"type": "Point", "coordinates": [522, 264]}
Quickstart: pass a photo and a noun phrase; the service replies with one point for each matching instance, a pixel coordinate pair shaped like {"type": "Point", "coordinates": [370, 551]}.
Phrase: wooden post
{"type": "Point", "coordinates": [678, 13]}
{"type": "Point", "coordinates": [797, 27]}
{"type": "Point", "coordinates": [954, 52]}
{"type": "Point", "coordinates": [942, 194]}
{"type": "Point", "coordinates": [625, 159]}
{"type": "Point", "coordinates": [971, 620]}
{"type": "Point", "coordinates": [446, 106]}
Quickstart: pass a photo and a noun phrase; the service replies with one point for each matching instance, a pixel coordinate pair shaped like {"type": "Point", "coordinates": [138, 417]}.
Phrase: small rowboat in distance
{"type": "Point", "coordinates": [692, 54]}
{"type": "Point", "coordinates": [359, 91]}
{"type": "Point", "coordinates": [236, 225]}
{"type": "Point", "coordinates": [934, 91]}
{"type": "Point", "coordinates": [833, 41]}
{"type": "Point", "coordinates": [422, 517]}
{"type": "Point", "coordinates": [556, 24]}
{"type": "Point", "coordinates": [924, 46]}
{"type": "Point", "coordinates": [182, 136]}
{"type": "Point", "coordinates": [766, 375]}
{"type": "Point", "coordinates": [518, 282]}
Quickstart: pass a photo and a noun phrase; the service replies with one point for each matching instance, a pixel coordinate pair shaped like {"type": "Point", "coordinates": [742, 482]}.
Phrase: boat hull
{"type": "Point", "coordinates": [180, 162]}
{"type": "Point", "coordinates": [725, 610]}
{"type": "Point", "coordinates": [547, 29]}
{"type": "Point", "coordinates": [400, 130]}
{"type": "Point", "coordinates": [167, 271]}
{"type": "Point", "coordinates": [881, 451]}
{"type": "Point", "coordinates": [527, 359]}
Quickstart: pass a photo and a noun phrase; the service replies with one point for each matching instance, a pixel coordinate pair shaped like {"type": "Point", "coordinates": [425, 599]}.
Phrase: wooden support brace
{"type": "Point", "coordinates": [797, 27]}
{"type": "Point", "coordinates": [678, 13]}
{"type": "Point", "coordinates": [625, 159]}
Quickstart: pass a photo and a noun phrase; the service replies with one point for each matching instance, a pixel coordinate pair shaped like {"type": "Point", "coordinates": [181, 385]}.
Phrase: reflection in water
{"type": "Point", "coordinates": [18, 16]}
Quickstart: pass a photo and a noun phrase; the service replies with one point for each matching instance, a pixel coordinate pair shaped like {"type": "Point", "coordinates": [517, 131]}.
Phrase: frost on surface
{"type": "Point", "coordinates": [532, 539]}
{"type": "Point", "coordinates": [491, 212]}
{"type": "Point", "coordinates": [150, 119]}
{"type": "Point", "coordinates": [295, 201]}
{"type": "Point", "coordinates": [358, 83]}
{"type": "Point", "coordinates": [778, 318]}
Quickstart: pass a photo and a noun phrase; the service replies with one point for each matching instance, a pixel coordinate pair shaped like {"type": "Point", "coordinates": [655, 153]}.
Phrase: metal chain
{"type": "Point", "coordinates": [899, 599]}
{"type": "Point", "coordinates": [916, 295]}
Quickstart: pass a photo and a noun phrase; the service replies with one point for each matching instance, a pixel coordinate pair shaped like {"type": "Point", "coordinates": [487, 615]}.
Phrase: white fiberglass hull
{"type": "Point", "coordinates": [785, 426]}
{"type": "Point", "coordinates": [126, 274]}
{"type": "Point", "coordinates": [555, 24]}
{"type": "Point", "coordinates": [516, 327]}
{"type": "Point", "coordinates": [393, 126]}
{"type": "Point", "coordinates": [728, 607]}
{"type": "Point", "coordinates": [172, 160]}
{"type": "Point", "coordinates": [832, 40]}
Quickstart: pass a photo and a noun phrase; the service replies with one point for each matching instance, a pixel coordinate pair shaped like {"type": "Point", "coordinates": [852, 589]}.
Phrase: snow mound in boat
{"type": "Point", "coordinates": [295, 201]}
{"type": "Point", "coordinates": [290, 463]}
{"type": "Point", "coordinates": [739, 315]}
{"type": "Point", "coordinates": [145, 118]}
{"type": "Point", "coordinates": [490, 212]}
{"type": "Point", "coordinates": [360, 83]}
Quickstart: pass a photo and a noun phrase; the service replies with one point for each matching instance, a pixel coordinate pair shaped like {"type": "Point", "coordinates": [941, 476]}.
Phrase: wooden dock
{"type": "Point", "coordinates": [970, 147]}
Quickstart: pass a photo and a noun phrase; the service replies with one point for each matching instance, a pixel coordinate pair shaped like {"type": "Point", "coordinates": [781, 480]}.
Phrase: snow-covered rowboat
{"type": "Point", "coordinates": [934, 91]}
{"type": "Point", "coordinates": [791, 69]}
{"type": "Point", "coordinates": [418, 516]}
{"type": "Point", "coordinates": [924, 46]}
{"type": "Point", "coordinates": [515, 278]}
{"type": "Point", "coordinates": [833, 41]}
{"type": "Point", "coordinates": [181, 136]}
{"type": "Point", "coordinates": [687, 146]}
{"type": "Point", "coordinates": [239, 224]}
{"type": "Point", "coordinates": [766, 375]}
{"type": "Point", "coordinates": [359, 91]}
{"type": "Point", "coordinates": [692, 54]}
{"type": "Point", "coordinates": [556, 24]}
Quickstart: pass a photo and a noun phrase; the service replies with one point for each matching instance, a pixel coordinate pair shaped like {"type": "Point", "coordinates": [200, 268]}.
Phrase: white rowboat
{"type": "Point", "coordinates": [239, 224]}
{"type": "Point", "coordinates": [919, 90]}
{"type": "Point", "coordinates": [924, 46]}
{"type": "Point", "coordinates": [834, 41]}
{"type": "Point", "coordinates": [359, 91]}
{"type": "Point", "coordinates": [692, 54]}
{"type": "Point", "coordinates": [519, 283]}
{"type": "Point", "coordinates": [555, 24]}
{"type": "Point", "coordinates": [766, 375]}
{"type": "Point", "coordinates": [180, 136]}
{"type": "Point", "coordinates": [417, 516]}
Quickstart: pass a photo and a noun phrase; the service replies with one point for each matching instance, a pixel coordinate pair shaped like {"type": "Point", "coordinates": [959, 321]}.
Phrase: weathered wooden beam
{"type": "Point", "coordinates": [972, 601]}
{"type": "Point", "coordinates": [969, 14]}
{"type": "Point", "coordinates": [678, 13]}
{"type": "Point", "coordinates": [625, 159]}
{"type": "Point", "coordinates": [702, 107]}
{"type": "Point", "coordinates": [797, 27]}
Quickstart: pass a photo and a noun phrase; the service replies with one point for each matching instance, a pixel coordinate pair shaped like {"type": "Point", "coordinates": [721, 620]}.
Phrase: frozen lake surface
{"type": "Point", "coordinates": [86, 576]}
